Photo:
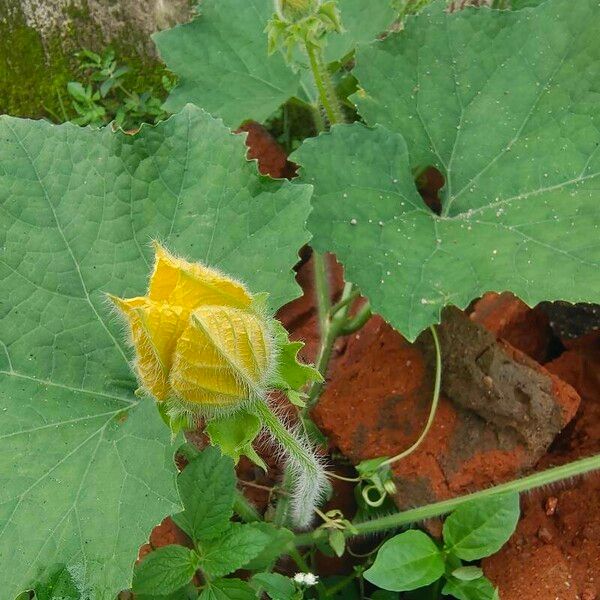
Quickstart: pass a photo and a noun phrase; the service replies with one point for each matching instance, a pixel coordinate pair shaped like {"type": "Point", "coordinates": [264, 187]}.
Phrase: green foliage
{"type": "Point", "coordinates": [481, 528]}
{"type": "Point", "coordinates": [105, 96]}
{"type": "Point", "coordinates": [280, 539]}
{"type": "Point", "coordinates": [291, 375]}
{"type": "Point", "coordinates": [227, 589]}
{"type": "Point", "coordinates": [222, 62]}
{"type": "Point", "coordinates": [234, 435]}
{"type": "Point", "coordinates": [276, 586]}
{"type": "Point", "coordinates": [405, 562]}
{"type": "Point", "coordinates": [475, 589]}
{"type": "Point", "coordinates": [411, 560]}
{"type": "Point", "coordinates": [513, 125]}
{"type": "Point", "coordinates": [517, 208]}
{"type": "Point", "coordinates": [208, 508]}
{"type": "Point", "coordinates": [233, 549]}
{"type": "Point", "coordinates": [207, 489]}
{"type": "Point", "coordinates": [80, 208]}
{"type": "Point", "coordinates": [165, 570]}
{"type": "Point", "coordinates": [60, 584]}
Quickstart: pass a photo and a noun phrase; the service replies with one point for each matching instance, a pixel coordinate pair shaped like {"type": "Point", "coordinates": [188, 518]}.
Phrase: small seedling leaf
{"type": "Point", "coordinates": [475, 589]}
{"type": "Point", "coordinates": [481, 527]}
{"type": "Point", "coordinates": [406, 562]}
{"type": "Point", "coordinates": [467, 573]}
{"type": "Point", "coordinates": [206, 487]}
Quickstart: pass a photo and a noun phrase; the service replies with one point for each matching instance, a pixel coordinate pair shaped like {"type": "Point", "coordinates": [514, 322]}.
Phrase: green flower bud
{"type": "Point", "coordinates": [293, 11]}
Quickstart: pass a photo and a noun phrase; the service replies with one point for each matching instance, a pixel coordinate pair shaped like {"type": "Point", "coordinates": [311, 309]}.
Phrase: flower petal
{"type": "Point", "coordinates": [222, 358]}
{"type": "Point", "coordinates": [155, 328]}
{"type": "Point", "coordinates": [190, 285]}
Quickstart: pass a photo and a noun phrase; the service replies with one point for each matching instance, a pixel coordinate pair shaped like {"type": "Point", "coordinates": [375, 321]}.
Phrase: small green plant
{"type": "Point", "coordinates": [220, 546]}
{"type": "Point", "coordinates": [412, 560]}
{"type": "Point", "coordinates": [104, 94]}
{"type": "Point", "coordinates": [503, 103]}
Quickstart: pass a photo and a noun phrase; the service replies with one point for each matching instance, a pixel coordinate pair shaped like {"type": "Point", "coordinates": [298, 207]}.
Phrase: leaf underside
{"type": "Point", "coordinates": [87, 469]}
{"type": "Point", "coordinates": [507, 106]}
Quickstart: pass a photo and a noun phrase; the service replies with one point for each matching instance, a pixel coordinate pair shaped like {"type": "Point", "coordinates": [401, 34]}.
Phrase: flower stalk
{"type": "Point", "coordinates": [303, 467]}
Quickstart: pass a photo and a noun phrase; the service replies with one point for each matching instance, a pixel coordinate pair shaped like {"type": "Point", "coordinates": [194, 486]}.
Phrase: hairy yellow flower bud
{"type": "Point", "coordinates": [198, 337]}
{"type": "Point", "coordinates": [222, 356]}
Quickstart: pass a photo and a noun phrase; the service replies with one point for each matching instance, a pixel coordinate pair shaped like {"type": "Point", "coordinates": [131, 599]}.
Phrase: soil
{"type": "Point", "coordinates": [516, 397]}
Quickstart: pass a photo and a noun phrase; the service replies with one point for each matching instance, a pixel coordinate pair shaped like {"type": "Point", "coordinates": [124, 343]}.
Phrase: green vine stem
{"type": "Point", "coordinates": [321, 277]}
{"type": "Point", "coordinates": [434, 402]}
{"type": "Point", "coordinates": [325, 88]}
{"type": "Point", "coordinates": [308, 480]}
{"type": "Point", "coordinates": [331, 330]}
{"type": "Point", "coordinates": [244, 510]}
{"type": "Point", "coordinates": [414, 515]}
{"type": "Point", "coordinates": [358, 321]}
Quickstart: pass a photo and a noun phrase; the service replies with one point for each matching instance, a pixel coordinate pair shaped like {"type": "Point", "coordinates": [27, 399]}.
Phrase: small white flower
{"type": "Point", "coordinates": [307, 579]}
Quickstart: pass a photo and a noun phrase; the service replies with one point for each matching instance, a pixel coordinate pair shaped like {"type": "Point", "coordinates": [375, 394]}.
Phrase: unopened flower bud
{"type": "Point", "coordinates": [198, 336]}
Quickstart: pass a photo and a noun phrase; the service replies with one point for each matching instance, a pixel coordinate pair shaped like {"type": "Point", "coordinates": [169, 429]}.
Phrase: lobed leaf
{"type": "Point", "coordinates": [506, 105]}
{"type": "Point", "coordinates": [88, 467]}
{"type": "Point", "coordinates": [222, 62]}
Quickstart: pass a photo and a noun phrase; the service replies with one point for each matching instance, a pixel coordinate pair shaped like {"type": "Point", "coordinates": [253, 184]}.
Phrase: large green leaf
{"type": "Point", "coordinates": [362, 22]}
{"type": "Point", "coordinates": [222, 63]}
{"type": "Point", "coordinates": [507, 106]}
{"type": "Point", "coordinates": [86, 467]}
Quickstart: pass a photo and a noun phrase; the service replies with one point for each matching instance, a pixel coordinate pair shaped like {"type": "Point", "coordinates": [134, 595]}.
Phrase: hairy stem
{"type": "Point", "coordinates": [327, 94]}
{"type": "Point", "coordinates": [307, 473]}
{"type": "Point", "coordinates": [434, 401]}
{"type": "Point", "coordinates": [400, 519]}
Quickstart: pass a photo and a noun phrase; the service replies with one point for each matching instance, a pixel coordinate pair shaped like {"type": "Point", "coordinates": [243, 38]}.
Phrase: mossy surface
{"type": "Point", "coordinates": [35, 68]}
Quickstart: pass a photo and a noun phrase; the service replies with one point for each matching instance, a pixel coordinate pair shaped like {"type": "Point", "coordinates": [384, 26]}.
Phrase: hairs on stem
{"type": "Point", "coordinates": [306, 468]}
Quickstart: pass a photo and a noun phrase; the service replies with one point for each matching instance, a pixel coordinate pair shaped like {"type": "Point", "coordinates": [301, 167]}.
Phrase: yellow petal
{"type": "Point", "coordinates": [155, 328]}
{"type": "Point", "coordinates": [222, 358]}
{"type": "Point", "coordinates": [190, 285]}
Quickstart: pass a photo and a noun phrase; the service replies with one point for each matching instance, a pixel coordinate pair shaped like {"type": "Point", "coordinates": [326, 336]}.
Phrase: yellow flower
{"type": "Point", "coordinates": [198, 336]}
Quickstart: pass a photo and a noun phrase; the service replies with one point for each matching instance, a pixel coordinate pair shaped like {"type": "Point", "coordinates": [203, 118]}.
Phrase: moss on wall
{"type": "Point", "coordinates": [39, 38]}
